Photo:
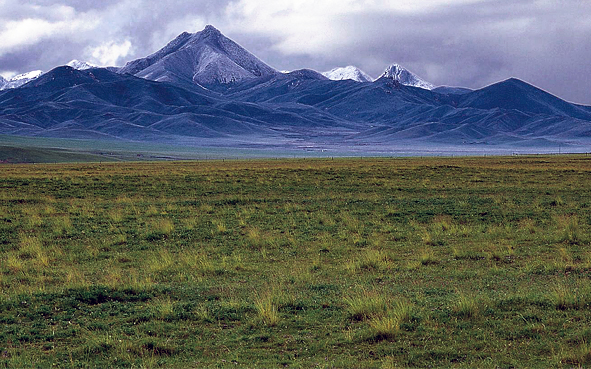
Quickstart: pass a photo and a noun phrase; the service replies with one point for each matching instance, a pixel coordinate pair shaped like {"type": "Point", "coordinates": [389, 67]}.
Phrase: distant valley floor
{"type": "Point", "coordinates": [20, 149]}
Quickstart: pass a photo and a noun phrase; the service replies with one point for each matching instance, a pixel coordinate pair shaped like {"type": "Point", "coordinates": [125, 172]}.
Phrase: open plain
{"type": "Point", "coordinates": [344, 263]}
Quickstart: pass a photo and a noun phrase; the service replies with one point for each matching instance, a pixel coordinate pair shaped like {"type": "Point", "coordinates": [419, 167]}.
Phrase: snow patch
{"type": "Point", "coordinates": [348, 72]}
{"type": "Point", "coordinates": [81, 65]}
{"type": "Point", "coordinates": [20, 79]}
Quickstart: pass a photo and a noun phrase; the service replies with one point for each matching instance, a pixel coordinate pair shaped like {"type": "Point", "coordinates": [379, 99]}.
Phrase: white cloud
{"type": "Point", "coordinates": [41, 23]}
{"type": "Point", "coordinates": [109, 53]}
{"type": "Point", "coordinates": [30, 31]}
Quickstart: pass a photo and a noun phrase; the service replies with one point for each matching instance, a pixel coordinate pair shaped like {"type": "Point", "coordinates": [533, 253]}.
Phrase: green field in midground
{"type": "Point", "coordinates": [345, 263]}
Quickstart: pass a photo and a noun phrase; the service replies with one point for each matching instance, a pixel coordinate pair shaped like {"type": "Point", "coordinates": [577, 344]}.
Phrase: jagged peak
{"type": "Point", "coordinates": [394, 70]}
{"type": "Point", "coordinates": [210, 29]}
{"type": "Point", "coordinates": [400, 74]}
{"type": "Point", "coordinates": [206, 57]}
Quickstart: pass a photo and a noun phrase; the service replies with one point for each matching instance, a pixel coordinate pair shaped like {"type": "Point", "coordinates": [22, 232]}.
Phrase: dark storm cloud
{"type": "Point", "coordinates": [468, 43]}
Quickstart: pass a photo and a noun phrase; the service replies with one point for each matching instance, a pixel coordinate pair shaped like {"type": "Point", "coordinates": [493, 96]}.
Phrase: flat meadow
{"type": "Point", "coordinates": [299, 263]}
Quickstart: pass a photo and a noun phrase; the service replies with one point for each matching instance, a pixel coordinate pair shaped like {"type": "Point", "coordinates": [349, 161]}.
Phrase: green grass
{"type": "Point", "coordinates": [10, 154]}
{"type": "Point", "coordinates": [346, 263]}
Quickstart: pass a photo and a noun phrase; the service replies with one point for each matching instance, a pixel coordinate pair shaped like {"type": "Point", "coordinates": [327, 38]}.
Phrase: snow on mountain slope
{"type": "Point", "coordinates": [349, 72]}
{"type": "Point", "coordinates": [405, 77]}
{"type": "Point", "coordinates": [81, 65]}
{"type": "Point", "coordinates": [204, 58]}
{"type": "Point", "coordinates": [21, 79]}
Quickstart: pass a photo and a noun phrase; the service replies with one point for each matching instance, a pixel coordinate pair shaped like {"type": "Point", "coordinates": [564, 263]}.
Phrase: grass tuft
{"type": "Point", "coordinates": [387, 325]}
{"type": "Point", "coordinates": [467, 305]}
{"type": "Point", "coordinates": [159, 228]}
{"type": "Point", "coordinates": [367, 304]}
{"type": "Point", "coordinates": [267, 309]}
{"type": "Point", "coordinates": [384, 327]}
{"type": "Point", "coordinates": [162, 307]}
{"type": "Point", "coordinates": [427, 257]}
{"type": "Point", "coordinates": [563, 297]}
{"type": "Point", "coordinates": [371, 261]}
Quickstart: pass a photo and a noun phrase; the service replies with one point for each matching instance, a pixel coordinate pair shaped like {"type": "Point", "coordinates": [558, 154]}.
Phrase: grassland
{"type": "Point", "coordinates": [19, 155]}
{"type": "Point", "coordinates": [348, 263]}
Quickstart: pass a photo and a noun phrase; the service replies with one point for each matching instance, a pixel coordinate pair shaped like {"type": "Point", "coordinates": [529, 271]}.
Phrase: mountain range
{"type": "Point", "coordinates": [203, 89]}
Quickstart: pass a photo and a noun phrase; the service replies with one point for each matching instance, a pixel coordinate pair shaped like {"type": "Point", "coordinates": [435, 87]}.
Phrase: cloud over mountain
{"type": "Point", "coordinates": [470, 43]}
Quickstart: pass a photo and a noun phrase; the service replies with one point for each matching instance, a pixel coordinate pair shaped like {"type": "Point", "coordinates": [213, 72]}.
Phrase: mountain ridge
{"type": "Point", "coordinates": [302, 108]}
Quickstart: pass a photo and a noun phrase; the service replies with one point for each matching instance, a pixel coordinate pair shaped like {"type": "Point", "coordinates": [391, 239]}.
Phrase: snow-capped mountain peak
{"type": "Point", "coordinates": [348, 72]}
{"type": "Point", "coordinates": [20, 79]}
{"type": "Point", "coordinates": [204, 58]}
{"type": "Point", "coordinates": [81, 65]}
{"type": "Point", "coordinates": [29, 75]}
{"type": "Point", "coordinates": [405, 77]}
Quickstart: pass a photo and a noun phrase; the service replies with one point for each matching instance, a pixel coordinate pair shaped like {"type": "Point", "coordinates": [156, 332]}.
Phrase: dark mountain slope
{"type": "Point", "coordinates": [518, 95]}
{"type": "Point", "coordinates": [99, 103]}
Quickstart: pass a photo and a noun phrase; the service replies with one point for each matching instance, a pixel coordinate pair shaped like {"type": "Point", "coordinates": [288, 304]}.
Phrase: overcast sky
{"type": "Point", "coordinates": [469, 43]}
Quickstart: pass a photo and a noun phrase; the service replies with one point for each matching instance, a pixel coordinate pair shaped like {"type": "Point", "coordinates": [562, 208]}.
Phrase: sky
{"type": "Point", "coordinates": [468, 43]}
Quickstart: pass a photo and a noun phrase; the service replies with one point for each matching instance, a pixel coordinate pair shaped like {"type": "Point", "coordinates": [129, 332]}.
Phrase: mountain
{"type": "Point", "coordinates": [80, 65]}
{"type": "Point", "coordinates": [24, 78]}
{"type": "Point", "coordinates": [99, 104]}
{"type": "Point", "coordinates": [300, 108]}
{"type": "Point", "coordinates": [205, 58]}
{"type": "Point", "coordinates": [515, 94]}
{"type": "Point", "coordinates": [405, 77]}
{"type": "Point", "coordinates": [296, 110]}
{"type": "Point", "coordinates": [349, 72]}
{"type": "Point", "coordinates": [21, 79]}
